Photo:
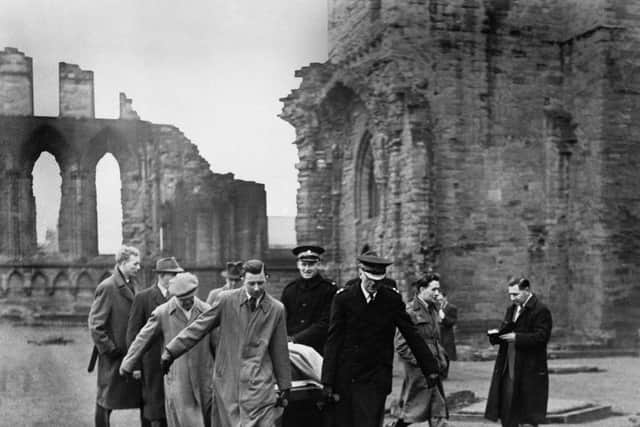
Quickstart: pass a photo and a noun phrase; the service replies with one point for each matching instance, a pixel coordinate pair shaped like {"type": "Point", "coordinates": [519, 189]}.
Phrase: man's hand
{"type": "Point", "coordinates": [124, 372]}
{"type": "Point", "coordinates": [137, 374]}
{"type": "Point", "coordinates": [432, 380]}
{"type": "Point", "coordinates": [165, 362]}
{"type": "Point", "coordinates": [283, 398]}
{"type": "Point", "coordinates": [290, 339]}
{"type": "Point", "coordinates": [508, 337]}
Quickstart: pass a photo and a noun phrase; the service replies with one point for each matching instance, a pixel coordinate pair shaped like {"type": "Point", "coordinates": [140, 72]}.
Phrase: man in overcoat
{"type": "Point", "coordinates": [108, 319]}
{"type": "Point", "coordinates": [144, 303]}
{"type": "Point", "coordinates": [419, 402]}
{"type": "Point", "coordinates": [520, 384]}
{"type": "Point", "coordinates": [187, 387]}
{"type": "Point", "coordinates": [232, 280]}
{"type": "Point", "coordinates": [307, 304]}
{"type": "Point", "coordinates": [252, 356]}
{"type": "Point", "coordinates": [358, 358]}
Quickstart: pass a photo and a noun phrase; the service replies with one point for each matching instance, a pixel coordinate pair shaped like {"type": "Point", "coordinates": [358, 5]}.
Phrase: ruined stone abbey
{"type": "Point", "coordinates": [172, 202]}
{"type": "Point", "coordinates": [481, 138]}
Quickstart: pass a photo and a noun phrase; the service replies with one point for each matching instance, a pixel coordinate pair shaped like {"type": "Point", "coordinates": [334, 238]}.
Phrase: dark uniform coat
{"type": "Point", "coordinates": [447, 330]}
{"type": "Point", "coordinates": [108, 320]}
{"type": "Point", "coordinates": [307, 304]}
{"type": "Point", "coordinates": [531, 377]}
{"type": "Point", "coordinates": [360, 349]}
{"type": "Point", "coordinates": [152, 383]}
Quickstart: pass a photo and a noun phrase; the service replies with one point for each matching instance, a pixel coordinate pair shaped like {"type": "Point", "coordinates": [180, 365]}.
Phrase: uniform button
{"type": "Point", "coordinates": [302, 321]}
{"type": "Point", "coordinates": [304, 304]}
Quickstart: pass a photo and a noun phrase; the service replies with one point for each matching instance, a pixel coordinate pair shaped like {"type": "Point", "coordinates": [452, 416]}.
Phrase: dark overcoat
{"type": "Point", "coordinates": [447, 330]}
{"type": "Point", "coordinates": [108, 321]}
{"type": "Point", "coordinates": [307, 304]}
{"type": "Point", "coordinates": [360, 344]}
{"type": "Point", "coordinates": [531, 377]}
{"type": "Point", "coordinates": [152, 383]}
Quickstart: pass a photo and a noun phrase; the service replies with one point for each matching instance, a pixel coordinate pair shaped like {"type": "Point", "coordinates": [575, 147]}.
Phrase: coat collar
{"type": "Point", "coordinates": [123, 288]}
{"type": "Point", "coordinates": [243, 298]}
{"type": "Point", "coordinates": [198, 308]}
{"type": "Point", "coordinates": [157, 296]}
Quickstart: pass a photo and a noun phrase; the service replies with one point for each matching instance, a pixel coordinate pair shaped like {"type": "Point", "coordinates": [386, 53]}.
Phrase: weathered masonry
{"type": "Point", "coordinates": [171, 201]}
{"type": "Point", "coordinates": [483, 138]}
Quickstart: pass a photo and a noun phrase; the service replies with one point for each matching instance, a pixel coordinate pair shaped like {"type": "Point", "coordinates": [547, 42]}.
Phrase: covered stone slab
{"type": "Point", "coordinates": [560, 411]}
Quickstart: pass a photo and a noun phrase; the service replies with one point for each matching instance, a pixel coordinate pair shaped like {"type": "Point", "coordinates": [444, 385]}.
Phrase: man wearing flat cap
{"type": "Point", "coordinates": [144, 303]}
{"type": "Point", "coordinates": [187, 387]}
{"type": "Point", "coordinates": [232, 277]}
{"type": "Point", "coordinates": [358, 357]}
{"type": "Point", "coordinates": [307, 303]}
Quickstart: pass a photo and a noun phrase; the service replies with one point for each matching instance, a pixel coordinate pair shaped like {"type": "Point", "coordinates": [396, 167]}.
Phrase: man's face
{"type": "Point", "coordinates": [254, 284]}
{"type": "Point", "coordinates": [164, 278]}
{"type": "Point", "coordinates": [430, 293]}
{"type": "Point", "coordinates": [517, 295]}
{"type": "Point", "coordinates": [370, 286]}
{"type": "Point", "coordinates": [234, 282]}
{"type": "Point", "coordinates": [308, 269]}
{"type": "Point", "coordinates": [131, 266]}
{"type": "Point", "coordinates": [186, 302]}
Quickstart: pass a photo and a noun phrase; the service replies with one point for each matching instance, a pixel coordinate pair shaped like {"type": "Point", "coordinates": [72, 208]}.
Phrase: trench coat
{"type": "Point", "coordinates": [252, 357]}
{"type": "Point", "coordinates": [187, 386]}
{"type": "Point", "coordinates": [419, 401]}
{"type": "Point", "coordinates": [152, 382]}
{"type": "Point", "coordinates": [108, 320]}
{"type": "Point", "coordinates": [530, 373]}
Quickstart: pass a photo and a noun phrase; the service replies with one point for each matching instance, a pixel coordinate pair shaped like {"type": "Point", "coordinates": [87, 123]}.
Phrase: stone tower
{"type": "Point", "coordinates": [481, 138]}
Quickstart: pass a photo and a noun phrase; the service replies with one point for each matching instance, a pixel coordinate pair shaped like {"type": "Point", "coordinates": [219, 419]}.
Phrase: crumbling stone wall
{"type": "Point", "coordinates": [172, 203]}
{"type": "Point", "coordinates": [502, 136]}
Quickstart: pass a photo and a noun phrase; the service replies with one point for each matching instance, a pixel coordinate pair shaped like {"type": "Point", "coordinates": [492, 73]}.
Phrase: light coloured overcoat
{"type": "Point", "coordinates": [252, 357]}
{"type": "Point", "coordinates": [420, 402]}
{"type": "Point", "coordinates": [108, 320]}
{"type": "Point", "coordinates": [187, 386]}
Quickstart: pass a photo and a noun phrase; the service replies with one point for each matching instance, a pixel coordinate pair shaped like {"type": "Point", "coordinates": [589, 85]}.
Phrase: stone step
{"type": "Point", "coordinates": [560, 411]}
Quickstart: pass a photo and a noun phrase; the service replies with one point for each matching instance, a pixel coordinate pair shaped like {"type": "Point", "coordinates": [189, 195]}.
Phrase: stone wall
{"type": "Point", "coordinates": [502, 137]}
{"type": "Point", "coordinates": [16, 83]}
{"type": "Point", "coordinates": [172, 203]}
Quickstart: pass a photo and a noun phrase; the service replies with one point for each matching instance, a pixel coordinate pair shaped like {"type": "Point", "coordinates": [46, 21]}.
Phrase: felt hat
{"type": "Point", "coordinates": [168, 265]}
{"type": "Point", "coordinates": [233, 270]}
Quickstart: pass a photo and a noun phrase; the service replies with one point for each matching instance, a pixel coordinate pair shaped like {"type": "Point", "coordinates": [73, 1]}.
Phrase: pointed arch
{"type": "Point", "coordinates": [15, 284]}
{"type": "Point", "coordinates": [367, 195]}
{"type": "Point", "coordinates": [40, 284]}
{"type": "Point", "coordinates": [85, 287]}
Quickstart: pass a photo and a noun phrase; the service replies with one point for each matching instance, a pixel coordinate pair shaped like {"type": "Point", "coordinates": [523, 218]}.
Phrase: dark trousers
{"type": "Point", "coordinates": [103, 416]}
{"type": "Point", "coordinates": [360, 405]}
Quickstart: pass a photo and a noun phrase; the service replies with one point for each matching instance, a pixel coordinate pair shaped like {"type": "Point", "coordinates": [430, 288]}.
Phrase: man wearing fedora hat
{"type": "Point", "coordinates": [187, 388]}
{"type": "Point", "coordinates": [144, 303]}
{"type": "Point", "coordinates": [358, 357]}
{"type": "Point", "coordinates": [232, 277]}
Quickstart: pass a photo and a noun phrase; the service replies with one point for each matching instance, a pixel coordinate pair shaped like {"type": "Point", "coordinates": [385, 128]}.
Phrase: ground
{"type": "Point", "coordinates": [48, 385]}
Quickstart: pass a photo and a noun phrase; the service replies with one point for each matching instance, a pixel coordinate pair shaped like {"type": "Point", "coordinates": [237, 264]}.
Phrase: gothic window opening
{"type": "Point", "coordinates": [367, 195]}
{"type": "Point", "coordinates": [109, 204]}
{"type": "Point", "coordinates": [47, 191]}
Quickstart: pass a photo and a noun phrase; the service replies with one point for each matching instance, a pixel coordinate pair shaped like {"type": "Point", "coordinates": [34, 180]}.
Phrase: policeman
{"type": "Point", "coordinates": [307, 300]}
{"type": "Point", "coordinates": [358, 357]}
{"type": "Point", "coordinates": [387, 281]}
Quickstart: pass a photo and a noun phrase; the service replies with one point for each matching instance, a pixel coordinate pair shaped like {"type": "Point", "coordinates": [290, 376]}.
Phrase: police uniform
{"type": "Point", "coordinates": [307, 304]}
{"type": "Point", "coordinates": [358, 358]}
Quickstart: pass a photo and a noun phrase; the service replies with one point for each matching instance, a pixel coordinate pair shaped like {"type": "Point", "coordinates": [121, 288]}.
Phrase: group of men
{"type": "Point", "coordinates": [225, 362]}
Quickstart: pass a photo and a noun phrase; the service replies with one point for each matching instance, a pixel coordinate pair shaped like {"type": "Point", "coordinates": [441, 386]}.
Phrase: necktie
{"type": "Point", "coordinates": [252, 303]}
{"type": "Point", "coordinates": [370, 297]}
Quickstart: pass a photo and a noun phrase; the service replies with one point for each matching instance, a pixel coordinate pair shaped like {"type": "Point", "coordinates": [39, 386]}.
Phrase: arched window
{"type": "Point", "coordinates": [47, 192]}
{"type": "Point", "coordinates": [367, 196]}
{"type": "Point", "coordinates": [108, 204]}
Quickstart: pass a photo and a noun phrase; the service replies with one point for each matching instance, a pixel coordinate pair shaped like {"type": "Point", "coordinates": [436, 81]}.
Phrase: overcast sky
{"type": "Point", "coordinates": [213, 68]}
